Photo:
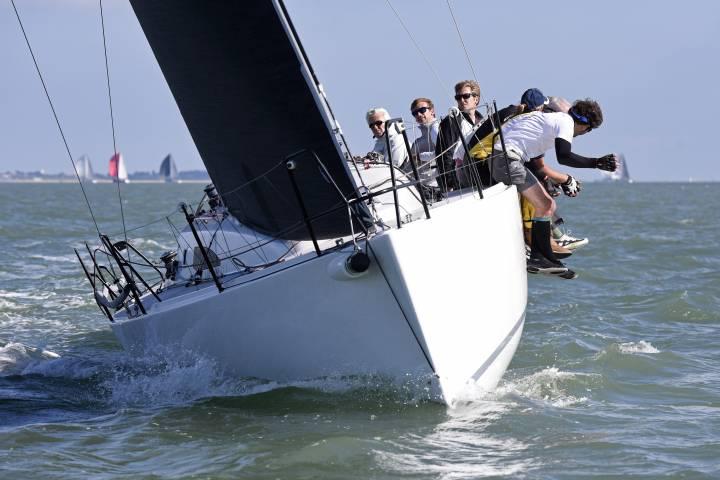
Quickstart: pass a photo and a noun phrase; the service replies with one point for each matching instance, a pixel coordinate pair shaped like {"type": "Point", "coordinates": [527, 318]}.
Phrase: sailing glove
{"type": "Point", "coordinates": [607, 163]}
{"type": "Point", "coordinates": [550, 187]}
{"type": "Point", "coordinates": [571, 187]}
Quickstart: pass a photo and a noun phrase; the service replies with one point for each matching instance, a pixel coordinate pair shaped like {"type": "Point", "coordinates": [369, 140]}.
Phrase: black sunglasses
{"type": "Point", "coordinates": [419, 110]}
{"type": "Point", "coordinates": [465, 96]}
{"type": "Point", "coordinates": [375, 124]}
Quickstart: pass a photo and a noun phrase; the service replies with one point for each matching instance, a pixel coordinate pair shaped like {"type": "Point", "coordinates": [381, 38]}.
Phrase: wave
{"type": "Point", "coordinates": [17, 358]}
{"type": "Point", "coordinates": [119, 379]}
{"type": "Point", "coordinates": [637, 347]}
{"type": "Point", "coordinates": [550, 385]}
{"type": "Point", "coordinates": [54, 258]}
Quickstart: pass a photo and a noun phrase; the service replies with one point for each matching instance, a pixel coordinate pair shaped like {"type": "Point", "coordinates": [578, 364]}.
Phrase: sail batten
{"type": "Point", "coordinates": [248, 103]}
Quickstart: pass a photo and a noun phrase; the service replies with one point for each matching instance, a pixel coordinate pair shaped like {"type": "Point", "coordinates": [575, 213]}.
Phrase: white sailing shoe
{"type": "Point", "coordinates": [570, 242]}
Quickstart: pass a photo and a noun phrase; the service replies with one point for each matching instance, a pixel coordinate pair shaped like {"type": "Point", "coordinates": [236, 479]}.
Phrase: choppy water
{"type": "Point", "coordinates": [616, 375]}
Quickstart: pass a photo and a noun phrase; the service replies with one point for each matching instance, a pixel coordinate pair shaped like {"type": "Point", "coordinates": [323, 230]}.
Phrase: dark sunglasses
{"type": "Point", "coordinates": [375, 124]}
{"type": "Point", "coordinates": [419, 110]}
{"type": "Point", "coordinates": [465, 96]}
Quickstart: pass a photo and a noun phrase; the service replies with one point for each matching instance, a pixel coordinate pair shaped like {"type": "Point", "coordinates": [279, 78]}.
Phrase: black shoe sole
{"type": "Point", "coordinates": [547, 271]}
{"type": "Point", "coordinates": [569, 275]}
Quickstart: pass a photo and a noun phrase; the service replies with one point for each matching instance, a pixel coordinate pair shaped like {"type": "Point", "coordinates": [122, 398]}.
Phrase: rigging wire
{"type": "Point", "coordinates": [112, 119]}
{"type": "Point", "coordinates": [57, 120]}
{"type": "Point", "coordinates": [422, 53]}
{"type": "Point", "coordinates": [462, 42]}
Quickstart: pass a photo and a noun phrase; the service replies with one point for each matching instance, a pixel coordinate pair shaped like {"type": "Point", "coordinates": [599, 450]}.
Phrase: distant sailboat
{"type": "Point", "coordinates": [116, 169]}
{"type": "Point", "coordinates": [84, 169]}
{"type": "Point", "coordinates": [621, 174]}
{"type": "Point", "coordinates": [168, 169]}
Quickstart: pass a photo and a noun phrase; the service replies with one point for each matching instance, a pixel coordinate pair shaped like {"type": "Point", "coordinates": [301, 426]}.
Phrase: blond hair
{"type": "Point", "coordinates": [474, 86]}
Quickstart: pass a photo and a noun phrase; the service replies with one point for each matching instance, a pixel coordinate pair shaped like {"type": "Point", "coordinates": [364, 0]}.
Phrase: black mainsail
{"type": "Point", "coordinates": [247, 94]}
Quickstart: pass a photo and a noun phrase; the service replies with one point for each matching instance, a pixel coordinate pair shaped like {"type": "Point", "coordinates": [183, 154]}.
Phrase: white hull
{"type": "Point", "coordinates": [443, 298]}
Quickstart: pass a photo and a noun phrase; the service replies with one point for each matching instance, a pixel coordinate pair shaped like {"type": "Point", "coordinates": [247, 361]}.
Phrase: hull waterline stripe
{"type": "Point", "coordinates": [491, 359]}
{"type": "Point", "coordinates": [427, 358]}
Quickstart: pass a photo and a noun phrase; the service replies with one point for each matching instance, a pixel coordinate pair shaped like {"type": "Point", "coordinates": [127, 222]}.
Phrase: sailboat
{"type": "Point", "coordinates": [168, 170]}
{"type": "Point", "coordinates": [298, 264]}
{"type": "Point", "coordinates": [622, 174]}
{"type": "Point", "coordinates": [84, 169]}
{"type": "Point", "coordinates": [117, 169]}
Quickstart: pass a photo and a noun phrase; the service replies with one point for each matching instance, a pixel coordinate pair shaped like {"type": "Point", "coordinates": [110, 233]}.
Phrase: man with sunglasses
{"type": "Point", "coordinates": [376, 118]}
{"type": "Point", "coordinates": [530, 136]}
{"type": "Point", "coordinates": [467, 96]}
{"type": "Point", "coordinates": [423, 148]}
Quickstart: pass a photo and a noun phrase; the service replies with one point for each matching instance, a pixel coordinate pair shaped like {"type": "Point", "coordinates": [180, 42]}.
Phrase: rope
{"type": "Point", "coordinates": [427, 61]}
{"type": "Point", "coordinates": [112, 119]}
{"type": "Point", "coordinates": [462, 42]}
{"type": "Point", "coordinates": [151, 222]}
{"type": "Point", "coordinates": [57, 120]}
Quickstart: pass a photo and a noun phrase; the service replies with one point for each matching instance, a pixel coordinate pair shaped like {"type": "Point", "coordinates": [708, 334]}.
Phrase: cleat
{"type": "Point", "coordinates": [571, 243]}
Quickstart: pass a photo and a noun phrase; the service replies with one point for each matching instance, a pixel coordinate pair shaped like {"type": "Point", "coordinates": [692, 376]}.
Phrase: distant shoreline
{"type": "Point", "coordinates": [110, 182]}
{"type": "Point", "coordinates": [207, 181]}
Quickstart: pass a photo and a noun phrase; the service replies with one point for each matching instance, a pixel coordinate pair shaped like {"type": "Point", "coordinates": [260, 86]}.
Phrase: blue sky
{"type": "Point", "coordinates": [653, 66]}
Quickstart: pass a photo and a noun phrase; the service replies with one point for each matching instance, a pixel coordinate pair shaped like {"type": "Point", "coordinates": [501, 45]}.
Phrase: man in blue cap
{"type": "Point", "coordinates": [533, 99]}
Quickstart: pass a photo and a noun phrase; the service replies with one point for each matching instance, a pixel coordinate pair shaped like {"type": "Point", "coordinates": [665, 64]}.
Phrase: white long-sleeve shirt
{"type": "Point", "coordinates": [397, 146]}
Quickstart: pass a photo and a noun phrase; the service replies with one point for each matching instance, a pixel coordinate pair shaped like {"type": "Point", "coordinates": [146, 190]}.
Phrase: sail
{"type": "Point", "coordinates": [116, 169]}
{"type": "Point", "coordinates": [168, 170]}
{"type": "Point", "coordinates": [248, 97]}
{"type": "Point", "coordinates": [84, 168]}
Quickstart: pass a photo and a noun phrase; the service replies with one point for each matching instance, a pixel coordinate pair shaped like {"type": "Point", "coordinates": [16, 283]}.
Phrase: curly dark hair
{"type": "Point", "coordinates": [589, 109]}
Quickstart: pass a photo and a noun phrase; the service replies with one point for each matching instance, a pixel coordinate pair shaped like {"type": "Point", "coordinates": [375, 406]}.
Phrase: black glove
{"type": "Point", "coordinates": [571, 187]}
{"type": "Point", "coordinates": [607, 163]}
{"type": "Point", "coordinates": [550, 187]}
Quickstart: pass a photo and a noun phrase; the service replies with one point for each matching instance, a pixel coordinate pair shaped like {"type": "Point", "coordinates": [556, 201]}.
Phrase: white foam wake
{"type": "Point", "coordinates": [16, 358]}
{"type": "Point", "coordinates": [549, 385]}
{"type": "Point", "coordinates": [637, 347]}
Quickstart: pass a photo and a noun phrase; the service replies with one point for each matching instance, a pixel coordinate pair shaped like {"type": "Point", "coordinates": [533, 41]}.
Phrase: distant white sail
{"type": "Point", "coordinates": [84, 169]}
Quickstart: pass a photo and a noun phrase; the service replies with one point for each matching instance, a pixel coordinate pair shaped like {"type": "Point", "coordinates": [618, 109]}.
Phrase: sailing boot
{"type": "Point", "coordinates": [542, 259]}
{"type": "Point", "coordinates": [559, 251]}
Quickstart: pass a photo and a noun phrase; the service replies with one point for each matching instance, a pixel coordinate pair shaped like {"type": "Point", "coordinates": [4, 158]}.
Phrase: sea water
{"type": "Point", "coordinates": [617, 373]}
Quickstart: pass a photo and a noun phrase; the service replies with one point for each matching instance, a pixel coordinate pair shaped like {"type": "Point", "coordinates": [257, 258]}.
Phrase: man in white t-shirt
{"type": "Point", "coordinates": [530, 136]}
